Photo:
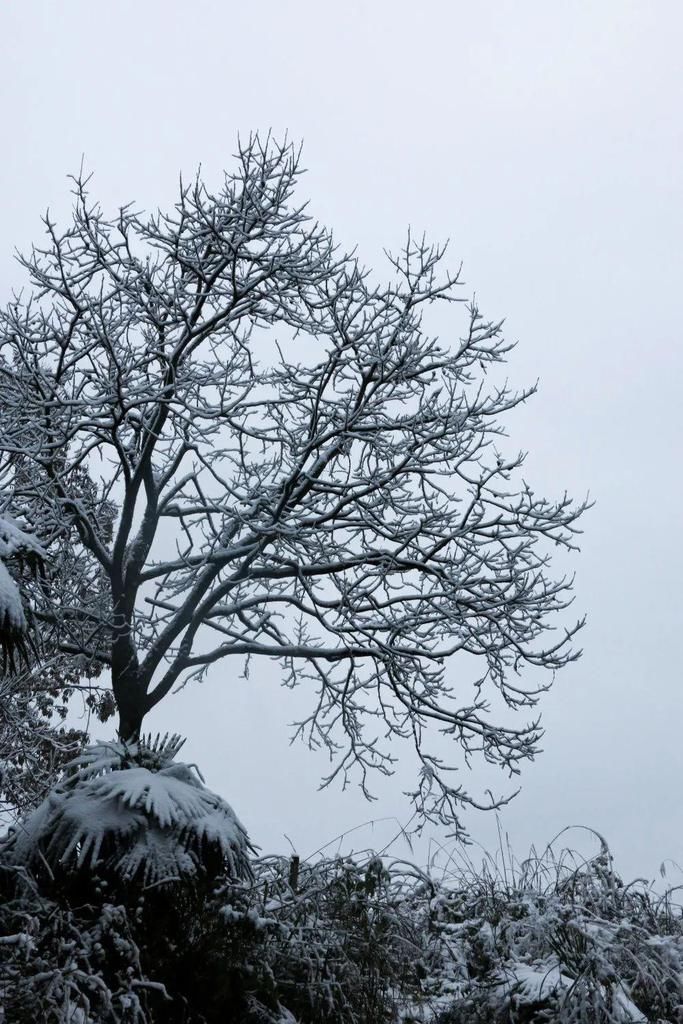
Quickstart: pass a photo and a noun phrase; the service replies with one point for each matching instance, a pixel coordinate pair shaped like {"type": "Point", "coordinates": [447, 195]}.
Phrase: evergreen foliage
{"type": "Point", "coordinates": [42, 573]}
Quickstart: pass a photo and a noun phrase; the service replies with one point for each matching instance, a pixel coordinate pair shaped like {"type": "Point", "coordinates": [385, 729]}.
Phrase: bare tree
{"type": "Point", "coordinates": [301, 471]}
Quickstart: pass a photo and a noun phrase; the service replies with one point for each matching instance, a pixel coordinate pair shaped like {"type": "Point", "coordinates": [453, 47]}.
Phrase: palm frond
{"type": "Point", "coordinates": [137, 813]}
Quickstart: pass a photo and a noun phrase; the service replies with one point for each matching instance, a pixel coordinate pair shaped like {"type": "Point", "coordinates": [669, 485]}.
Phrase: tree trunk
{"type": "Point", "coordinates": [129, 693]}
{"type": "Point", "coordinates": [130, 701]}
{"type": "Point", "coordinates": [130, 724]}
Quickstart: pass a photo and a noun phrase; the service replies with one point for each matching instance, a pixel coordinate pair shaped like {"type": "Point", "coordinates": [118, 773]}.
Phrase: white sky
{"type": "Point", "coordinates": [546, 140]}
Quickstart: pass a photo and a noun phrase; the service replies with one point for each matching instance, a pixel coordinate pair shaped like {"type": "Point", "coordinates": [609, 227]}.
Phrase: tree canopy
{"type": "Point", "coordinates": [298, 469]}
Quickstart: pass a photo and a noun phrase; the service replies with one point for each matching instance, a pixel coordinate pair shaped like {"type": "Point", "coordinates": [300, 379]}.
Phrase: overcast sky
{"type": "Point", "coordinates": [545, 140]}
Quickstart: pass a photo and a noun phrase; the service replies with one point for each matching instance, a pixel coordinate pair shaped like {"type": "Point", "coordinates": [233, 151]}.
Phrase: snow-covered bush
{"type": "Point", "coordinates": [62, 964]}
{"type": "Point", "coordinates": [108, 883]}
{"type": "Point", "coordinates": [35, 743]}
{"type": "Point", "coordinates": [555, 939]}
{"type": "Point", "coordinates": [336, 936]}
{"type": "Point", "coordinates": [132, 813]}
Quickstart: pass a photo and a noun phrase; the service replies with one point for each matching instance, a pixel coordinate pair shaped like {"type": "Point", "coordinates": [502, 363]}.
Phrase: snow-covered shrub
{"type": "Point", "coordinates": [336, 937]}
{"type": "Point", "coordinates": [132, 838]}
{"type": "Point", "coordinates": [161, 956]}
{"type": "Point", "coordinates": [554, 939]}
{"type": "Point", "coordinates": [35, 744]}
{"type": "Point", "coordinates": [68, 965]}
{"type": "Point", "coordinates": [132, 813]}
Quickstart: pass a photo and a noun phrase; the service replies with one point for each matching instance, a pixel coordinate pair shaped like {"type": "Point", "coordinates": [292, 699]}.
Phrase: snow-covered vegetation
{"type": "Point", "coordinates": [132, 810]}
{"type": "Point", "coordinates": [231, 443]}
{"type": "Point", "coordinates": [22, 547]}
{"type": "Point", "coordinates": [348, 940]}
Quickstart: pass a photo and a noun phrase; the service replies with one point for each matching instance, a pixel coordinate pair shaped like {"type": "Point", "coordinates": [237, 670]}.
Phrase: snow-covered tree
{"type": "Point", "coordinates": [302, 471]}
{"type": "Point", "coordinates": [35, 743]}
{"type": "Point", "coordinates": [71, 576]}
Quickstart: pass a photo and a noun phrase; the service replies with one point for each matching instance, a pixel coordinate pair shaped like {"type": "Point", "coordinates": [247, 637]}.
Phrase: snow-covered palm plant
{"type": "Point", "coordinates": [133, 812]}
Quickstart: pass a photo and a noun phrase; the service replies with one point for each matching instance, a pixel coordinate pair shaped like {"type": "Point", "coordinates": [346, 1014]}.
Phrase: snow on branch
{"type": "Point", "coordinates": [21, 547]}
